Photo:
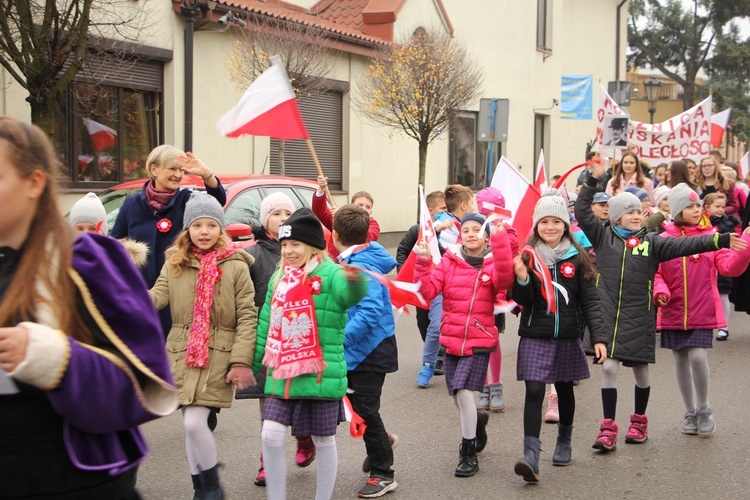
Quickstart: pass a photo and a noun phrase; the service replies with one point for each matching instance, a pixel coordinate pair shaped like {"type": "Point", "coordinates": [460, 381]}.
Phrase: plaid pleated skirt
{"type": "Point", "coordinates": [551, 360]}
{"type": "Point", "coordinates": [679, 339]}
{"type": "Point", "coordinates": [465, 372]}
{"type": "Point", "coordinates": [307, 417]}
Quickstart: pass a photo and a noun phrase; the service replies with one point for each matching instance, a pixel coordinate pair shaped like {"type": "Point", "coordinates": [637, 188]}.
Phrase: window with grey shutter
{"type": "Point", "coordinates": [322, 114]}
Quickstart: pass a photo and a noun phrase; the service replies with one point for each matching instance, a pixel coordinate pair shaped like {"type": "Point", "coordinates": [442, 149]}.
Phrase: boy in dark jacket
{"type": "Point", "coordinates": [370, 344]}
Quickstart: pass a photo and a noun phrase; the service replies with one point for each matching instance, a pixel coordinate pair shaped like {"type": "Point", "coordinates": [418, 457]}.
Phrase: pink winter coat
{"type": "Point", "coordinates": [690, 283]}
{"type": "Point", "coordinates": [468, 320]}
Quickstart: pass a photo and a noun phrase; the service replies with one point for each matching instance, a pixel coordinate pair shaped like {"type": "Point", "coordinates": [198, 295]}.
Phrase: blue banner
{"type": "Point", "coordinates": [576, 97]}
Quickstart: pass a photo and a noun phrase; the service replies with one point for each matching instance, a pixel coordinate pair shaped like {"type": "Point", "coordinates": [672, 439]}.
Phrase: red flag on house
{"type": "Point", "coordinates": [267, 108]}
{"type": "Point", "coordinates": [520, 196]}
{"type": "Point", "coordinates": [405, 295]}
{"type": "Point", "coordinates": [719, 123]}
{"type": "Point", "coordinates": [101, 135]}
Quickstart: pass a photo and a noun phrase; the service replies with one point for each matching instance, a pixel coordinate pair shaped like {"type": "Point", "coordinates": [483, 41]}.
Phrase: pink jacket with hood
{"type": "Point", "coordinates": [468, 322]}
{"type": "Point", "coordinates": [690, 282]}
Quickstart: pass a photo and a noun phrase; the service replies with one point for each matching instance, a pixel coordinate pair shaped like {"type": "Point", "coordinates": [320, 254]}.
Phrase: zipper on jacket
{"type": "Point", "coordinates": [480, 327]}
{"type": "Point", "coordinates": [471, 309]}
{"type": "Point", "coordinates": [650, 293]}
{"type": "Point", "coordinates": [619, 299]}
{"type": "Point", "coordinates": [531, 315]}
{"type": "Point", "coordinates": [557, 309]}
{"type": "Point", "coordinates": [685, 292]}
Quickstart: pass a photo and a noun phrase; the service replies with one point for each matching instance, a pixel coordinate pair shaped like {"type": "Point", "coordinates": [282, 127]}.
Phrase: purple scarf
{"type": "Point", "coordinates": [158, 199]}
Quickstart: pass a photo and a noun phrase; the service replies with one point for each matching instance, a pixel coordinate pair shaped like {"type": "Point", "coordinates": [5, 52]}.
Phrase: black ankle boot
{"type": "Point", "coordinates": [563, 447]}
{"type": "Point", "coordinates": [483, 417]}
{"type": "Point", "coordinates": [212, 489]}
{"type": "Point", "coordinates": [197, 487]}
{"type": "Point", "coordinates": [528, 466]}
{"type": "Point", "coordinates": [468, 465]}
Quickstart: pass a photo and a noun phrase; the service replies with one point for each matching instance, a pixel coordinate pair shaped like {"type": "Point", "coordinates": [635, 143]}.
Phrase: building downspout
{"type": "Point", "coordinates": [189, 11]}
{"type": "Point", "coordinates": [617, 40]}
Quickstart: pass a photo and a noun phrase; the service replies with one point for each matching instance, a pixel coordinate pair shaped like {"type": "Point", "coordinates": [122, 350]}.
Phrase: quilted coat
{"type": "Point", "coordinates": [468, 323]}
{"type": "Point", "coordinates": [335, 297]}
{"type": "Point", "coordinates": [626, 272]}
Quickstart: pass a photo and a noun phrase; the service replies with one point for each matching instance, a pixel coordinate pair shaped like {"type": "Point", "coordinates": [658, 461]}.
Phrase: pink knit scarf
{"type": "Point", "coordinates": [208, 275]}
{"type": "Point", "coordinates": [158, 199]}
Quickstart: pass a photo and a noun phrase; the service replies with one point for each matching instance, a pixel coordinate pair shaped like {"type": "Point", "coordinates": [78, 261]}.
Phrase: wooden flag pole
{"type": "Point", "coordinates": [320, 169]}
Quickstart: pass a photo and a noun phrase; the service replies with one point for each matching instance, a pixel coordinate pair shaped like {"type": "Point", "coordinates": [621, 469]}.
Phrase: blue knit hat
{"type": "Point", "coordinates": [478, 218]}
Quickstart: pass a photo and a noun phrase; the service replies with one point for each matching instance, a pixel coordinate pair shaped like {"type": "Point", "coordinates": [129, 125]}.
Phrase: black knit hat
{"type": "Point", "coordinates": [305, 227]}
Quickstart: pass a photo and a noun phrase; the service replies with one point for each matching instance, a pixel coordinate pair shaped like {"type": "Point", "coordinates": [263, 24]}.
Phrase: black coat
{"type": "Point", "coordinates": [570, 318]}
{"type": "Point", "coordinates": [626, 275]}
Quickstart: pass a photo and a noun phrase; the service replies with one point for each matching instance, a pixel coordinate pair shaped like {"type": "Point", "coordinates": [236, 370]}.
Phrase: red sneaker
{"type": "Point", "coordinates": [305, 451]}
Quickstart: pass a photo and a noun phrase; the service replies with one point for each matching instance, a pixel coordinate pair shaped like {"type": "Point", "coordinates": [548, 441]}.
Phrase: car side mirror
{"type": "Point", "coordinates": [239, 232]}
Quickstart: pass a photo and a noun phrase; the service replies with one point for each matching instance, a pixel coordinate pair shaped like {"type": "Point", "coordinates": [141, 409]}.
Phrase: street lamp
{"type": "Point", "coordinates": [652, 95]}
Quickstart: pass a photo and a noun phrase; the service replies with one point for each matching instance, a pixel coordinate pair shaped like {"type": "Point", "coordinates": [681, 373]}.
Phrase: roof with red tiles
{"type": "Point", "coordinates": [343, 17]}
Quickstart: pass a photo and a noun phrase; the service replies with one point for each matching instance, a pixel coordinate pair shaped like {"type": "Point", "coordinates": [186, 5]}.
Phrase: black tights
{"type": "Point", "coordinates": [532, 410]}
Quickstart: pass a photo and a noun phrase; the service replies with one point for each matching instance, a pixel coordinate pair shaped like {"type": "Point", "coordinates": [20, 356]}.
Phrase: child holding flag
{"type": "Point", "coordinates": [470, 276]}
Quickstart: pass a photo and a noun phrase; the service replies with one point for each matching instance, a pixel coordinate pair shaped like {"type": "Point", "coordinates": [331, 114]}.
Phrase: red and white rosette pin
{"type": "Point", "coordinates": [484, 278]}
{"type": "Point", "coordinates": [695, 257]}
{"type": "Point", "coordinates": [164, 225]}
{"type": "Point", "coordinates": [568, 270]}
{"type": "Point", "coordinates": [315, 285]}
{"type": "Point", "coordinates": [632, 242]}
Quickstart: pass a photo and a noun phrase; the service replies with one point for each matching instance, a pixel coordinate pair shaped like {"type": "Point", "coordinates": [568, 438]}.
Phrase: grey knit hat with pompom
{"type": "Point", "coordinates": [551, 204]}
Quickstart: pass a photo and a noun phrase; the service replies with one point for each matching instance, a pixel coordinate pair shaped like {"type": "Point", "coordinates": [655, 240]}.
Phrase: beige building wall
{"type": "Point", "coordinates": [500, 36]}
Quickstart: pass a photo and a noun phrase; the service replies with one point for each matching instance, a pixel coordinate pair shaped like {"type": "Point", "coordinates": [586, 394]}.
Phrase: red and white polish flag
{"type": "Point", "coordinates": [520, 196]}
{"type": "Point", "coordinates": [719, 123]}
{"type": "Point", "coordinates": [102, 136]}
{"type": "Point", "coordinates": [408, 292]}
{"type": "Point", "coordinates": [267, 108]}
{"type": "Point", "coordinates": [541, 175]}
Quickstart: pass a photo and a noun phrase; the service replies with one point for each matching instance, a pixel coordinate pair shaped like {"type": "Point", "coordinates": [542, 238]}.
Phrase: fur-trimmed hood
{"type": "Point", "coordinates": [137, 251]}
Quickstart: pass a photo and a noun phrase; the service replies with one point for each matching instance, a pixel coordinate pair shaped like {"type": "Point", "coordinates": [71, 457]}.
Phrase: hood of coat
{"type": "Point", "coordinates": [703, 227]}
{"type": "Point", "coordinates": [374, 257]}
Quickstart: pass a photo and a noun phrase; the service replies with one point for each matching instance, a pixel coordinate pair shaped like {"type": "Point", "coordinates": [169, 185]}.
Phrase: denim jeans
{"type": "Point", "coordinates": [432, 341]}
{"type": "Point", "coordinates": [365, 390]}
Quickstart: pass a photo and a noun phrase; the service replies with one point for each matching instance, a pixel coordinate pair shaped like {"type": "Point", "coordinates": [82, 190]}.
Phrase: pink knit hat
{"type": "Point", "coordinates": [490, 195]}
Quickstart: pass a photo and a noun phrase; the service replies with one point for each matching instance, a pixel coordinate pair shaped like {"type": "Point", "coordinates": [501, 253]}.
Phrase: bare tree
{"type": "Point", "coordinates": [44, 44]}
{"type": "Point", "coordinates": [417, 87]}
{"type": "Point", "coordinates": [308, 62]}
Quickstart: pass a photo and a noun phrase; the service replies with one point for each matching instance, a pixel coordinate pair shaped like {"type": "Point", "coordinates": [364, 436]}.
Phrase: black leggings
{"type": "Point", "coordinates": [532, 410]}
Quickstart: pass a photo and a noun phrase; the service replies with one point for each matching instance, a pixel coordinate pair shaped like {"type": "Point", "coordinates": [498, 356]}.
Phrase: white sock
{"type": "Point", "coordinates": [199, 440]}
{"type": "Point", "coordinates": [272, 436]}
{"type": "Point", "coordinates": [727, 309]}
{"type": "Point", "coordinates": [328, 461]}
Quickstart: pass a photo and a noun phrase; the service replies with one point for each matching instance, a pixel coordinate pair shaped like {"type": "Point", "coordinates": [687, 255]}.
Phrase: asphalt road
{"type": "Point", "coordinates": [669, 465]}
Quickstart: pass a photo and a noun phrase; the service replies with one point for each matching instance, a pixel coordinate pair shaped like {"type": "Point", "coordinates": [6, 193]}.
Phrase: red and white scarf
{"type": "Point", "coordinates": [293, 344]}
{"type": "Point", "coordinates": [208, 275]}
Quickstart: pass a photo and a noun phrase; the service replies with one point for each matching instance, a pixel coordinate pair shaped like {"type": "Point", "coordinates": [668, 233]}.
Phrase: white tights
{"type": "Point", "coordinates": [273, 436]}
{"type": "Point", "coordinates": [199, 440]}
{"type": "Point", "coordinates": [464, 401]}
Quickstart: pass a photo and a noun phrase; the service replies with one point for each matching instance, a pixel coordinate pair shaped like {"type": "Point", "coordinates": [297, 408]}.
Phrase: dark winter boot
{"type": "Point", "coordinates": [528, 466]}
{"type": "Point", "coordinates": [482, 418]}
{"type": "Point", "coordinates": [212, 489]}
{"type": "Point", "coordinates": [197, 486]}
{"type": "Point", "coordinates": [468, 465]}
{"type": "Point", "coordinates": [563, 448]}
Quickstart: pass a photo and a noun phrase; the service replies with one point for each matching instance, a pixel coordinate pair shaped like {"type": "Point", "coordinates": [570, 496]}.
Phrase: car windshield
{"type": "Point", "coordinates": [113, 200]}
